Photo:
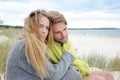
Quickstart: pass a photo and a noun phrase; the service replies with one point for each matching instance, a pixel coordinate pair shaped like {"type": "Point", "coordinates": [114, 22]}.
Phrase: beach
{"type": "Point", "coordinates": [86, 44]}
{"type": "Point", "coordinates": [106, 46]}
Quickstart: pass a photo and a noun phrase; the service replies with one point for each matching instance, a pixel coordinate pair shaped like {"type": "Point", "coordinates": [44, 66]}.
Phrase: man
{"type": "Point", "coordinates": [61, 44]}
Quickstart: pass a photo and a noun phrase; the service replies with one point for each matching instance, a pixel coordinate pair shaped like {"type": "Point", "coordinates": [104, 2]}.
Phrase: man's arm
{"type": "Point", "coordinates": [81, 65]}
{"type": "Point", "coordinates": [57, 71]}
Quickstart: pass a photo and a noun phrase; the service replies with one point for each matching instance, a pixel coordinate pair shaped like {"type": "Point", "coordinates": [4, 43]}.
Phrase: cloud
{"type": "Point", "coordinates": [93, 19]}
{"type": "Point", "coordinates": [93, 15]}
{"type": "Point", "coordinates": [15, 11]}
{"type": "Point", "coordinates": [94, 24]}
{"type": "Point", "coordinates": [86, 13]}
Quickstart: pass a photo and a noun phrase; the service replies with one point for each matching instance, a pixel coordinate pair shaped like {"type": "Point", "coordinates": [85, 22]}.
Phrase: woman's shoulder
{"type": "Point", "coordinates": [19, 44]}
{"type": "Point", "coordinates": [17, 47]}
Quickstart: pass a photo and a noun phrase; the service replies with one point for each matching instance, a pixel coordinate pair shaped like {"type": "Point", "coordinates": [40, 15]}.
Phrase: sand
{"type": "Point", "coordinates": [107, 46]}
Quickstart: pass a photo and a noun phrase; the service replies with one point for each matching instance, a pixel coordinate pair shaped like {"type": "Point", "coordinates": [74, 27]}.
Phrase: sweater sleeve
{"type": "Point", "coordinates": [57, 71]}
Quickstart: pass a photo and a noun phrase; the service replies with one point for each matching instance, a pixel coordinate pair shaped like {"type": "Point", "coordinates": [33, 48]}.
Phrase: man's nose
{"type": "Point", "coordinates": [63, 34]}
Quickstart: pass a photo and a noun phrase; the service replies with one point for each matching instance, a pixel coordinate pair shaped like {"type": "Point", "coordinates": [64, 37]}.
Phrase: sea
{"type": "Point", "coordinates": [103, 41]}
{"type": "Point", "coordinates": [108, 32]}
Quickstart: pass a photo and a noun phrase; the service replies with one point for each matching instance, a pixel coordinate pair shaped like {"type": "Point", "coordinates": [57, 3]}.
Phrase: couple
{"type": "Point", "coordinates": [45, 53]}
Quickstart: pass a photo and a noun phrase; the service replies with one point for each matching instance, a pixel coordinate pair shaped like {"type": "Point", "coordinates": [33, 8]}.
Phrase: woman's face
{"type": "Point", "coordinates": [44, 27]}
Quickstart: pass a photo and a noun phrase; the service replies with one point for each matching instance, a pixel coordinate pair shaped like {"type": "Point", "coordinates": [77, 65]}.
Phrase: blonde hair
{"type": "Point", "coordinates": [56, 17]}
{"type": "Point", "coordinates": [35, 48]}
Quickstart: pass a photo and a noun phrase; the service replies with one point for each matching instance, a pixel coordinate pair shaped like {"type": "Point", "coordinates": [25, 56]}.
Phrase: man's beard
{"type": "Point", "coordinates": [62, 42]}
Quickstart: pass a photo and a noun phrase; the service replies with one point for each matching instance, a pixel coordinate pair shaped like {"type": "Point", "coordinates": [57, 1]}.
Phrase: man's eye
{"type": "Point", "coordinates": [56, 32]}
{"type": "Point", "coordinates": [65, 29]}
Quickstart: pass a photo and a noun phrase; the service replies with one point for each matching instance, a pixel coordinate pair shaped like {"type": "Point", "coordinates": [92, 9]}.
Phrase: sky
{"type": "Point", "coordinates": [78, 13]}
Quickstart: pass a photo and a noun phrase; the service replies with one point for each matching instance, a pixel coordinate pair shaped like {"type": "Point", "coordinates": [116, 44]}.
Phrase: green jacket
{"type": "Point", "coordinates": [56, 51]}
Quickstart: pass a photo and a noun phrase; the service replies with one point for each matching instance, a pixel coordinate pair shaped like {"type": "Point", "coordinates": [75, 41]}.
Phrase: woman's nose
{"type": "Point", "coordinates": [44, 30]}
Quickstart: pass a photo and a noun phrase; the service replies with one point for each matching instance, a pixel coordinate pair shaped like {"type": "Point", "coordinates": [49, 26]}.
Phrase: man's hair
{"type": "Point", "coordinates": [57, 17]}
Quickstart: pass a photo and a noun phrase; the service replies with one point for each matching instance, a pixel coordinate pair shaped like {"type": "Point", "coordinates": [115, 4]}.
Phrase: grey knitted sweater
{"type": "Point", "coordinates": [17, 67]}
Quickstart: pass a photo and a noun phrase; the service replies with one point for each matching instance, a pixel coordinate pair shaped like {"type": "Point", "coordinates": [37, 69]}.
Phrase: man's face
{"type": "Point", "coordinates": [60, 32]}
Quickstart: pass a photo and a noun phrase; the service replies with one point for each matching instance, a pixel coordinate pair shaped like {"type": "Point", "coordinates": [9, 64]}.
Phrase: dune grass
{"type": "Point", "coordinates": [101, 62]}
{"type": "Point", "coordinates": [96, 60]}
{"type": "Point", "coordinates": [12, 35]}
{"type": "Point", "coordinates": [114, 64]}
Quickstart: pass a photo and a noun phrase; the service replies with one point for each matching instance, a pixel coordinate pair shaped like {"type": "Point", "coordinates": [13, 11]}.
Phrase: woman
{"type": "Point", "coordinates": [28, 59]}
